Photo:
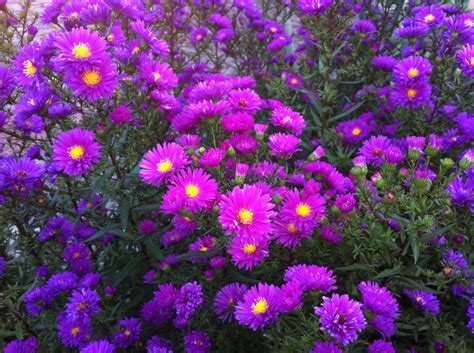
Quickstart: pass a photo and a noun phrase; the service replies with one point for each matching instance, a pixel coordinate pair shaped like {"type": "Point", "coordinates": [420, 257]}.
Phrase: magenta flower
{"type": "Point", "coordinates": [412, 68]}
{"type": "Point", "coordinates": [248, 252]}
{"type": "Point", "coordinates": [288, 119]}
{"type": "Point", "coordinates": [193, 190]}
{"type": "Point", "coordinates": [465, 57]}
{"type": "Point", "coordinates": [158, 75]}
{"type": "Point", "coordinates": [162, 162]}
{"type": "Point", "coordinates": [283, 145]}
{"type": "Point", "coordinates": [258, 307]}
{"type": "Point", "coordinates": [325, 347]}
{"type": "Point", "coordinates": [245, 101]}
{"type": "Point", "coordinates": [75, 151]}
{"type": "Point", "coordinates": [226, 300]}
{"type": "Point", "coordinates": [287, 234]}
{"type": "Point", "coordinates": [341, 317]}
{"type": "Point", "coordinates": [311, 278]}
{"type": "Point", "coordinates": [29, 65]}
{"type": "Point", "coordinates": [246, 212]}
{"type": "Point", "coordinates": [304, 211]}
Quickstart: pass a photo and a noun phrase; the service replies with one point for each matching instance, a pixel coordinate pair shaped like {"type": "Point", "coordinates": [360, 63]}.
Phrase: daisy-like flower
{"type": "Point", "coordinates": [93, 83]}
{"type": "Point", "coordinates": [412, 68]}
{"type": "Point", "coordinates": [158, 75]}
{"type": "Point", "coordinates": [73, 332]}
{"type": "Point", "coordinates": [258, 307]}
{"type": "Point", "coordinates": [304, 211]}
{"type": "Point", "coordinates": [188, 300]}
{"type": "Point", "coordinates": [21, 176]}
{"type": "Point", "coordinates": [373, 149]}
{"type": "Point", "coordinates": [129, 331]}
{"type": "Point", "coordinates": [283, 145]}
{"type": "Point", "coordinates": [198, 35]}
{"type": "Point", "coordinates": [212, 158]}
{"type": "Point", "coordinates": [412, 95]}
{"type": "Point", "coordinates": [197, 342]}
{"type": "Point", "coordinates": [314, 7]}
{"type": "Point", "coordinates": [29, 345]}
{"type": "Point", "coordinates": [341, 317]}
{"type": "Point", "coordinates": [465, 57]}
{"type": "Point", "coordinates": [80, 49]}
{"type": "Point", "coordinates": [325, 347]}
{"type": "Point", "coordinates": [83, 303]}
{"type": "Point", "coordinates": [429, 15]}
{"type": "Point", "coordinates": [423, 300]}
{"type": "Point", "coordinates": [381, 346]}
{"type": "Point", "coordinates": [290, 297]}
{"type": "Point", "coordinates": [102, 346]}
{"type": "Point", "coordinates": [193, 190]}
{"type": "Point", "coordinates": [28, 65]}
{"type": "Point", "coordinates": [289, 235]}
{"type": "Point", "coordinates": [226, 300]}
{"type": "Point", "coordinates": [248, 252]}
{"type": "Point", "coordinates": [470, 313]}
{"type": "Point", "coordinates": [247, 212]}
{"type": "Point", "coordinates": [162, 162]}
{"type": "Point", "coordinates": [454, 263]}
{"type": "Point", "coordinates": [384, 62]}
{"type": "Point", "coordinates": [311, 278]}
{"type": "Point", "coordinates": [75, 151]}
{"type": "Point", "coordinates": [159, 46]}
{"type": "Point", "coordinates": [7, 82]}
{"type": "Point", "coordinates": [380, 307]}
{"type": "Point", "coordinates": [288, 119]}
{"type": "Point", "coordinates": [244, 101]}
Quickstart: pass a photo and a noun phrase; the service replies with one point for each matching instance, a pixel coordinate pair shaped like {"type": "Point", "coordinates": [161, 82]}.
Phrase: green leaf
{"type": "Point", "coordinates": [102, 231]}
{"type": "Point", "coordinates": [124, 212]}
{"type": "Point", "coordinates": [147, 208]}
{"type": "Point", "coordinates": [154, 249]}
{"type": "Point", "coordinates": [354, 267]}
{"type": "Point", "coordinates": [125, 272]}
{"type": "Point", "coordinates": [388, 272]}
{"type": "Point", "coordinates": [347, 112]}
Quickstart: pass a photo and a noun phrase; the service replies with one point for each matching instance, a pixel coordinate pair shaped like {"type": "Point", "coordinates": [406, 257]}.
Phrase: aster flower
{"type": "Point", "coordinates": [73, 332]}
{"type": "Point", "coordinates": [311, 278]}
{"type": "Point", "coordinates": [341, 317]}
{"type": "Point", "coordinates": [423, 300]}
{"type": "Point", "coordinates": [246, 211]}
{"type": "Point", "coordinates": [198, 35]}
{"type": "Point", "coordinates": [7, 82]}
{"type": "Point", "coordinates": [159, 46]}
{"type": "Point", "coordinates": [192, 190]}
{"type": "Point", "coordinates": [412, 95]}
{"type": "Point", "coordinates": [78, 257]}
{"type": "Point", "coordinates": [197, 342]}
{"type": "Point", "coordinates": [470, 313]}
{"type": "Point", "coordinates": [372, 149]}
{"type": "Point", "coordinates": [20, 176]}
{"type": "Point", "coordinates": [121, 115]}
{"type": "Point", "coordinates": [381, 346]}
{"type": "Point", "coordinates": [81, 49]}
{"type": "Point", "coordinates": [304, 211]}
{"type": "Point", "coordinates": [290, 297]}
{"type": "Point", "coordinates": [412, 29]}
{"type": "Point", "coordinates": [430, 15]}
{"type": "Point", "coordinates": [244, 101]}
{"type": "Point", "coordinates": [244, 144]}
{"type": "Point", "coordinates": [380, 307]}
{"type": "Point", "coordinates": [189, 299]}
{"type": "Point", "coordinates": [287, 234]}
{"type": "Point", "coordinates": [288, 119]}
{"type": "Point", "coordinates": [83, 303]}
{"type": "Point", "coordinates": [325, 347]}
{"type": "Point", "coordinates": [2, 265]}
{"type": "Point", "coordinates": [461, 190]}
{"type": "Point", "coordinates": [29, 345]}
{"type": "Point", "coordinates": [158, 75]}
{"type": "Point", "coordinates": [129, 331]}
{"type": "Point", "coordinates": [75, 151]}
{"type": "Point", "coordinates": [258, 307]}
{"type": "Point", "coordinates": [93, 83]}
{"type": "Point", "coordinates": [364, 27]}
{"type": "Point", "coordinates": [248, 252]}
{"type": "Point", "coordinates": [60, 283]}
{"type": "Point", "coordinates": [465, 57]}
{"type": "Point", "coordinates": [157, 345]}
{"type": "Point", "coordinates": [240, 122]}
{"type": "Point", "coordinates": [454, 263]}
{"type": "Point", "coordinates": [226, 300]}
{"type": "Point", "coordinates": [37, 300]}
{"type": "Point", "coordinates": [356, 130]}
{"type": "Point", "coordinates": [162, 162]}
{"type": "Point", "coordinates": [147, 227]}
{"type": "Point", "coordinates": [28, 66]}
{"type": "Point", "coordinates": [283, 145]}
{"type": "Point", "coordinates": [384, 62]}
{"type": "Point", "coordinates": [412, 68]}
{"type": "Point", "coordinates": [102, 346]}
{"type": "Point", "coordinates": [159, 310]}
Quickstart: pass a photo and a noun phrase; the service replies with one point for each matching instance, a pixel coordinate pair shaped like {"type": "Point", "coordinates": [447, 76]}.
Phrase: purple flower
{"type": "Point", "coordinates": [259, 306]}
{"type": "Point", "coordinates": [244, 101]}
{"type": "Point", "coordinates": [412, 95]}
{"type": "Point", "coordinates": [314, 7]}
{"type": "Point", "coordinates": [465, 57]}
{"type": "Point", "coordinates": [290, 297]}
{"type": "Point", "coordinates": [7, 83]}
{"type": "Point", "coordinates": [29, 345]}
{"type": "Point", "coordinates": [423, 300]}
{"type": "Point", "coordinates": [76, 151]}
{"type": "Point", "coordinates": [37, 300]}
{"type": "Point", "coordinates": [159, 310]}
{"type": "Point", "coordinates": [197, 342]}
{"type": "Point", "coordinates": [283, 145]}
{"type": "Point", "coordinates": [470, 313]}
{"type": "Point", "coordinates": [189, 299]}
{"type": "Point", "coordinates": [325, 347]}
{"type": "Point", "coordinates": [73, 332]}
{"type": "Point", "coordinates": [461, 190]}
{"type": "Point", "coordinates": [147, 227]}
{"type": "Point", "coordinates": [226, 300]}
{"type": "Point", "coordinates": [20, 176]}
{"type": "Point", "coordinates": [198, 35]}
{"type": "Point", "coordinates": [83, 303]}
{"type": "Point", "coordinates": [157, 345]}
{"type": "Point", "coordinates": [381, 346]}
{"type": "Point", "coordinates": [248, 251]}
{"type": "Point", "coordinates": [98, 347]}
{"type": "Point", "coordinates": [121, 115]}
{"type": "Point", "coordinates": [373, 149]}
{"type": "Point", "coordinates": [412, 68]}
{"type": "Point", "coordinates": [311, 278]}
{"type": "Point", "coordinates": [384, 62]}
{"type": "Point", "coordinates": [128, 333]}
{"type": "Point", "coordinates": [60, 283]}
{"type": "Point", "coordinates": [341, 317]}
{"type": "Point", "coordinates": [28, 65]}
{"type": "Point", "coordinates": [454, 263]}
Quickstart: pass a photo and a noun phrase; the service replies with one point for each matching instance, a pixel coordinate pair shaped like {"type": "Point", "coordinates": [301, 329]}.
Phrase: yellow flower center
{"type": "Point", "coordinates": [273, 29]}
{"type": "Point", "coordinates": [245, 216]}
{"type": "Point", "coordinates": [303, 210]}
{"type": "Point", "coordinates": [75, 331]}
{"type": "Point", "coordinates": [203, 248]}
{"type": "Point", "coordinates": [192, 191]}
{"type": "Point", "coordinates": [469, 23]}
{"type": "Point", "coordinates": [29, 69]}
{"type": "Point", "coordinates": [156, 76]}
{"type": "Point", "coordinates": [292, 229]}
{"type": "Point", "coordinates": [76, 152]}
{"type": "Point", "coordinates": [199, 36]}
{"type": "Point", "coordinates": [294, 81]}
{"type": "Point", "coordinates": [356, 131]}
{"type": "Point", "coordinates": [77, 254]}
{"type": "Point", "coordinates": [471, 62]}
{"type": "Point", "coordinates": [110, 37]}
{"type": "Point", "coordinates": [127, 333]}
{"type": "Point", "coordinates": [249, 249]}
{"type": "Point", "coordinates": [447, 270]}
{"type": "Point", "coordinates": [287, 119]}
{"type": "Point", "coordinates": [412, 73]}
{"type": "Point", "coordinates": [429, 18]}
{"type": "Point", "coordinates": [74, 15]}
{"type": "Point", "coordinates": [81, 51]}
{"type": "Point", "coordinates": [91, 78]}
{"type": "Point", "coordinates": [164, 166]}
{"type": "Point", "coordinates": [420, 300]}
{"type": "Point", "coordinates": [411, 93]}
{"type": "Point", "coordinates": [31, 101]}
{"type": "Point", "coordinates": [260, 307]}
{"type": "Point", "coordinates": [136, 50]}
